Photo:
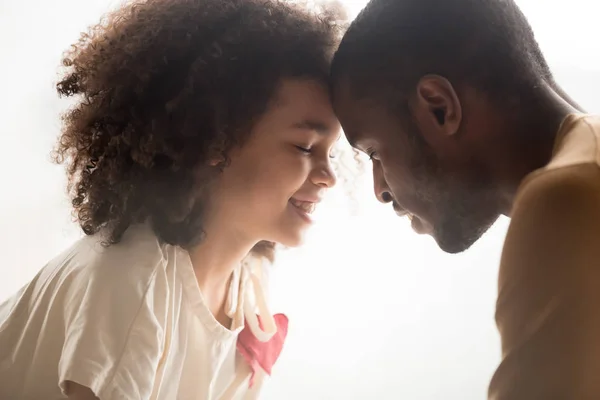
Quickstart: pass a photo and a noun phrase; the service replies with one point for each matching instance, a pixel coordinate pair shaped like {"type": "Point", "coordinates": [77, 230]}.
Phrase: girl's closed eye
{"type": "Point", "coordinates": [309, 150]}
{"type": "Point", "coordinates": [304, 149]}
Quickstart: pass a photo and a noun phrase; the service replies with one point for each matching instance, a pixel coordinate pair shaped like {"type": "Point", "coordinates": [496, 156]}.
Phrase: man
{"type": "Point", "coordinates": [456, 106]}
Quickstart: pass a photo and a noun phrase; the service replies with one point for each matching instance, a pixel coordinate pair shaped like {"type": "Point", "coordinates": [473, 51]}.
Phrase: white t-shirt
{"type": "Point", "coordinates": [128, 321]}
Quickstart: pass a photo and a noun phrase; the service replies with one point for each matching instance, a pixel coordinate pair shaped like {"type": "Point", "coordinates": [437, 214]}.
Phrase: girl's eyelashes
{"type": "Point", "coordinates": [305, 150]}
{"type": "Point", "coordinates": [309, 150]}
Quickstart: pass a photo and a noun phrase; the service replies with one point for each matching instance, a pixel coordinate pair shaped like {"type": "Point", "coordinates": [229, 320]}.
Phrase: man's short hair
{"type": "Point", "coordinates": [484, 43]}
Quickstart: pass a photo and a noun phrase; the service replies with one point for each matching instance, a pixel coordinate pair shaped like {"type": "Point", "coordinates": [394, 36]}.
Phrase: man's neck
{"type": "Point", "coordinates": [530, 145]}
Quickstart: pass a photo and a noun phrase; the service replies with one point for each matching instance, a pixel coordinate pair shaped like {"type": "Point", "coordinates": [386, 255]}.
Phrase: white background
{"type": "Point", "coordinates": [376, 311]}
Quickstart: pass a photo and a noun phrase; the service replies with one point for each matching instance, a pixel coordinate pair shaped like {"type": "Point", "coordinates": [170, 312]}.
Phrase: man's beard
{"type": "Point", "coordinates": [463, 204]}
{"type": "Point", "coordinates": [465, 207]}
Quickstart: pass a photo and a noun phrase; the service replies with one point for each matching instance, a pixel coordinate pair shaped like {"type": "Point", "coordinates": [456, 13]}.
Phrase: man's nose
{"type": "Point", "coordinates": [382, 191]}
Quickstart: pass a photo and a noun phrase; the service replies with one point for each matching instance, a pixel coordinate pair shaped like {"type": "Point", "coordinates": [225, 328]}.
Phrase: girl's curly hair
{"type": "Point", "coordinates": [162, 87]}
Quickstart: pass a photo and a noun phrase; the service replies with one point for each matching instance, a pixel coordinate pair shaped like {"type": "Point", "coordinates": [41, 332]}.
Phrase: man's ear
{"type": "Point", "coordinates": [436, 107]}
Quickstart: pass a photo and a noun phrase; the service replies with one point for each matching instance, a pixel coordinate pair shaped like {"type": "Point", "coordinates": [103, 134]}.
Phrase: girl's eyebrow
{"type": "Point", "coordinates": [319, 127]}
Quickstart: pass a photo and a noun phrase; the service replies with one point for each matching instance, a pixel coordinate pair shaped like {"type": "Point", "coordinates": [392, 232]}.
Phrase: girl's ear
{"type": "Point", "coordinates": [218, 162]}
{"type": "Point", "coordinates": [216, 155]}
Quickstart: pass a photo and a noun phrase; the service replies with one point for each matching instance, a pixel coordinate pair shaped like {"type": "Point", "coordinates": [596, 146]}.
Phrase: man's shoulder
{"type": "Point", "coordinates": [577, 142]}
{"type": "Point", "coordinates": [573, 185]}
{"type": "Point", "coordinates": [555, 221]}
{"type": "Point", "coordinates": [574, 168]}
{"type": "Point", "coordinates": [548, 281]}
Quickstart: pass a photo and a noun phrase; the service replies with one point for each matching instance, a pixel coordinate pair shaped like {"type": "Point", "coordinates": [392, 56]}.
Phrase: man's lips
{"type": "Point", "coordinates": [401, 212]}
{"type": "Point", "coordinates": [417, 223]}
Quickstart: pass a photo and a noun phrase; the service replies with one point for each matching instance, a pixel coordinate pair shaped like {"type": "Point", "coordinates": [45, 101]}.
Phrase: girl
{"type": "Point", "coordinates": [200, 137]}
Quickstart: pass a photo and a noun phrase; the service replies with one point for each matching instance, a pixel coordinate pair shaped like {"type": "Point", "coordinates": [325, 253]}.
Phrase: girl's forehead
{"type": "Point", "coordinates": [305, 101]}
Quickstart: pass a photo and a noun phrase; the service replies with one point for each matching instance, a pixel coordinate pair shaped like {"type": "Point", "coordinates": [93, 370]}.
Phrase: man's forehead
{"type": "Point", "coordinates": [348, 98]}
{"type": "Point", "coordinates": [342, 89]}
{"type": "Point", "coordinates": [358, 111]}
{"type": "Point", "coordinates": [353, 112]}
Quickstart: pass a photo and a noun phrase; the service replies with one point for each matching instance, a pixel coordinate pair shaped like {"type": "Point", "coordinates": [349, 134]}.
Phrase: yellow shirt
{"type": "Point", "coordinates": [548, 309]}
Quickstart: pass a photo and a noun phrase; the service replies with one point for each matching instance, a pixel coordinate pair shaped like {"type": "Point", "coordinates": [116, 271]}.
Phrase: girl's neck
{"type": "Point", "coordinates": [213, 260]}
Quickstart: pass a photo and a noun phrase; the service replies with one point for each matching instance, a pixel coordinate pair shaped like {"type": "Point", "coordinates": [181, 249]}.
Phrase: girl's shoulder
{"type": "Point", "coordinates": [98, 316]}
{"type": "Point", "coordinates": [132, 264]}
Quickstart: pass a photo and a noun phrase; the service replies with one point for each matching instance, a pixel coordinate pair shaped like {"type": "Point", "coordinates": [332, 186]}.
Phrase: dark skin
{"type": "Point", "coordinates": [454, 160]}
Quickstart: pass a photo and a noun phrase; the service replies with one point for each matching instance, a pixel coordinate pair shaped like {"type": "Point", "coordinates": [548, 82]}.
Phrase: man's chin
{"type": "Point", "coordinates": [454, 241]}
{"type": "Point", "coordinates": [453, 247]}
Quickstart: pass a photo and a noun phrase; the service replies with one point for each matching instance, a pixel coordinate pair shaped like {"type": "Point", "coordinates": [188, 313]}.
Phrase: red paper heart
{"type": "Point", "coordinates": [262, 354]}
